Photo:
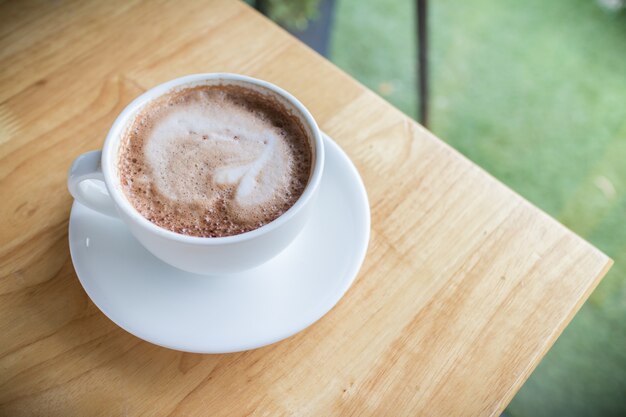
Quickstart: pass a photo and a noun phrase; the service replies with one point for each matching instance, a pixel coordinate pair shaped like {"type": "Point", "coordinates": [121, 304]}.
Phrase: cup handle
{"type": "Point", "coordinates": [85, 182]}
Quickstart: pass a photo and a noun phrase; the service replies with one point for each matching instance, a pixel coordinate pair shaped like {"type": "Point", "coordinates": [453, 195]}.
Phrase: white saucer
{"type": "Point", "coordinates": [195, 313]}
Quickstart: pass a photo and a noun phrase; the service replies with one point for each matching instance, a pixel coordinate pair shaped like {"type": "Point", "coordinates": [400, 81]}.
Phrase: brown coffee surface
{"type": "Point", "coordinates": [214, 161]}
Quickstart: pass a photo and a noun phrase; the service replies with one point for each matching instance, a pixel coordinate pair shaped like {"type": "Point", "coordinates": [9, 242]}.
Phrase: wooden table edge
{"type": "Point", "coordinates": [608, 261]}
{"type": "Point", "coordinates": [523, 377]}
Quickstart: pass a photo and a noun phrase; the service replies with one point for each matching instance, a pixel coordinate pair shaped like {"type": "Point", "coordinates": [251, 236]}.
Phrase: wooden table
{"type": "Point", "coordinates": [464, 288]}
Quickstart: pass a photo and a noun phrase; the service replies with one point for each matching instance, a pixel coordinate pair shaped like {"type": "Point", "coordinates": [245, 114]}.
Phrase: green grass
{"type": "Point", "coordinates": [534, 92]}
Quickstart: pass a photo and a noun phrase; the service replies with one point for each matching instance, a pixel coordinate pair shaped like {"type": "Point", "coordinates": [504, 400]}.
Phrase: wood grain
{"type": "Point", "coordinates": [464, 288]}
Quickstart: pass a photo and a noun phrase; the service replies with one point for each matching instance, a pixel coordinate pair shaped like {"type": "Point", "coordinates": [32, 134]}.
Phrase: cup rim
{"type": "Point", "coordinates": [109, 159]}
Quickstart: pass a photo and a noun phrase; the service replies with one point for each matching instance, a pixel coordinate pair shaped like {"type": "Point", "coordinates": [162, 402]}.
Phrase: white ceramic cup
{"type": "Point", "coordinates": [201, 255]}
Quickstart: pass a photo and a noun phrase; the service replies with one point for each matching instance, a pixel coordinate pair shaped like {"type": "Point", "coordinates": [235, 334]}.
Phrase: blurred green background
{"type": "Point", "coordinates": [534, 92]}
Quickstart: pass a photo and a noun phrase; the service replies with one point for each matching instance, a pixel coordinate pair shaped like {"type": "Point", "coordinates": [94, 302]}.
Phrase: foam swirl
{"type": "Point", "coordinates": [203, 150]}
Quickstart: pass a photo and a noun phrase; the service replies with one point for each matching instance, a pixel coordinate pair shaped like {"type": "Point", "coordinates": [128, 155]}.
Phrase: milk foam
{"type": "Point", "coordinates": [203, 148]}
{"type": "Point", "coordinates": [204, 161]}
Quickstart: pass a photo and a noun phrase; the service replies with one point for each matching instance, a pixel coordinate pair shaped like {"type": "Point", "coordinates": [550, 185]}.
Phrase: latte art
{"type": "Point", "coordinates": [209, 152]}
{"type": "Point", "coordinates": [214, 161]}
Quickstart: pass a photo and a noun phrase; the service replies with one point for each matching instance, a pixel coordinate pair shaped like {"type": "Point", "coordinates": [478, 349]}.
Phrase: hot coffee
{"type": "Point", "coordinates": [214, 161]}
